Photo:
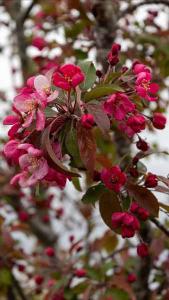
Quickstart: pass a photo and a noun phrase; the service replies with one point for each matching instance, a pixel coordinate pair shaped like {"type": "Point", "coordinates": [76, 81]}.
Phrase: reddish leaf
{"type": "Point", "coordinates": [53, 161]}
{"type": "Point", "coordinates": [145, 198]}
{"type": "Point", "coordinates": [87, 147]}
{"type": "Point", "coordinates": [100, 117]}
{"type": "Point", "coordinates": [108, 204]}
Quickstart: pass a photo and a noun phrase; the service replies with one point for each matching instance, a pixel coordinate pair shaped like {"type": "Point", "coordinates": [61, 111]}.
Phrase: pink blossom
{"type": "Point", "coordinates": [39, 42]}
{"type": "Point", "coordinates": [68, 76]}
{"type": "Point", "coordinates": [118, 105]}
{"type": "Point", "coordinates": [42, 84]}
{"type": "Point", "coordinates": [113, 178]}
{"type": "Point", "coordinates": [33, 165]}
{"type": "Point", "coordinates": [138, 68]}
{"type": "Point", "coordinates": [145, 88]}
{"type": "Point", "coordinates": [56, 178]}
{"type": "Point", "coordinates": [12, 151]}
{"type": "Point", "coordinates": [15, 121]}
{"type": "Point", "coordinates": [32, 105]}
{"type": "Point", "coordinates": [136, 122]}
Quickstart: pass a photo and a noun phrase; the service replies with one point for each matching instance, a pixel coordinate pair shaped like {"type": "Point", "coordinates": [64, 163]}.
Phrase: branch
{"type": "Point", "coordinates": [27, 12]}
{"type": "Point", "coordinates": [133, 7]}
{"type": "Point", "coordinates": [18, 289]}
{"type": "Point", "coordinates": [160, 226]}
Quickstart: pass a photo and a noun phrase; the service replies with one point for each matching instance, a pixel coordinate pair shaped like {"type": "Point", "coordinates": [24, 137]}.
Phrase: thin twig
{"type": "Point", "coordinates": [160, 226]}
{"type": "Point", "coordinates": [27, 11]}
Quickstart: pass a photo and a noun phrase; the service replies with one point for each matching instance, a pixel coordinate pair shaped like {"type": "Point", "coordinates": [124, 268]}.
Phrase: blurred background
{"type": "Point", "coordinates": [34, 37]}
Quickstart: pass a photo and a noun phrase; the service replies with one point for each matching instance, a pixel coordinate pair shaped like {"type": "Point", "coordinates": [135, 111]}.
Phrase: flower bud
{"type": "Point", "coordinates": [151, 180]}
{"type": "Point", "coordinates": [159, 121]}
{"type": "Point", "coordinates": [87, 121]}
{"type": "Point", "coordinates": [142, 250]}
{"type": "Point", "coordinates": [49, 251]}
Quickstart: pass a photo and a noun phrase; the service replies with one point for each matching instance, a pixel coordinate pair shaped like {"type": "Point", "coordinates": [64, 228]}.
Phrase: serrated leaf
{"type": "Point", "coordinates": [108, 203]}
{"type": "Point", "coordinates": [90, 74]}
{"type": "Point", "coordinates": [102, 90]}
{"type": "Point", "coordinates": [93, 194]}
{"type": "Point", "coordinates": [145, 198]}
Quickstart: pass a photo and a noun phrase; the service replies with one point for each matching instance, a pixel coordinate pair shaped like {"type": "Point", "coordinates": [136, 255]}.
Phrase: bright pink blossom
{"type": "Point", "coordinates": [119, 106]}
{"type": "Point", "coordinates": [145, 88]}
{"type": "Point", "coordinates": [151, 180]}
{"type": "Point", "coordinates": [33, 165]}
{"type": "Point", "coordinates": [126, 222]}
{"type": "Point", "coordinates": [12, 151]}
{"type": "Point", "coordinates": [16, 122]}
{"type": "Point", "coordinates": [113, 178]}
{"type": "Point", "coordinates": [56, 178]}
{"type": "Point", "coordinates": [136, 122]}
{"type": "Point", "coordinates": [32, 105]}
{"type": "Point", "coordinates": [39, 42]}
{"type": "Point", "coordinates": [68, 76]}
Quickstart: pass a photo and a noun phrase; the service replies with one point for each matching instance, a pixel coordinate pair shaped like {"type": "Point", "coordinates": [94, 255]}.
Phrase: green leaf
{"type": "Point", "coordinates": [72, 147]}
{"type": "Point", "coordinates": [102, 90]}
{"type": "Point", "coordinates": [72, 32]}
{"type": "Point", "coordinates": [49, 112]}
{"type": "Point", "coordinates": [93, 194]}
{"type": "Point", "coordinates": [90, 74]}
{"type": "Point", "coordinates": [76, 183]}
{"type": "Point", "coordinates": [108, 203]}
{"type": "Point", "coordinates": [117, 294]}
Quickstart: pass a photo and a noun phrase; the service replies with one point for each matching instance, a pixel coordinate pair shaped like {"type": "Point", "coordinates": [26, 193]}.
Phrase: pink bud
{"type": "Point", "coordinates": [87, 121]}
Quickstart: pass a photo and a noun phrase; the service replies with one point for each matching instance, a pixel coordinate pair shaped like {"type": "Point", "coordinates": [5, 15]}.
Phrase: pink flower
{"type": "Point", "coordinates": [42, 84]}
{"type": "Point", "coordinates": [15, 121]}
{"type": "Point", "coordinates": [68, 76]}
{"type": "Point", "coordinates": [39, 42]}
{"type": "Point", "coordinates": [113, 54]}
{"type": "Point", "coordinates": [12, 151]}
{"type": "Point", "coordinates": [131, 277]}
{"type": "Point", "coordinates": [145, 88]}
{"type": "Point", "coordinates": [34, 167]}
{"type": "Point", "coordinates": [159, 121]}
{"type": "Point", "coordinates": [56, 178]}
{"type": "Point", "coordinates": [136, 123]}
{"type": "Point", "coordinates": [127, 222]}
{"type": "Point", "coordinates": [138, 68]}
{"type": "Point", "coordinates": [118, 105]}
{"type": "Point", "coordinates": [113, 178]}
{"type": "Point", "coordinates": [32, 105]}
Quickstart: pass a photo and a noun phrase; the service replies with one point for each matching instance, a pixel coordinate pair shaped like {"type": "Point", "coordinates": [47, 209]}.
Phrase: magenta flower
{"type": "Point", "coordinates": [33, 165]}
{"type": "Point", "coordinates": [68, 76]}
{"type": "Point", "coordinates": [145, 88]}
{"type": "Point", "coordinates": [56, 178]}
{"type": "Point", "coordinates": [12, 151]}
{"type": "Point", "coordinates": [32, 105]}
{"type": "Point", "coordinates": [136, 122]}
{"type": "Point", "coordinates": [15, 121]}
{"type": "Point", "coordinates": [39, 42]}
{"type": "Point", "coordinates": [119, 106]}
{"type": "Point", "coordinates": [113, 178]}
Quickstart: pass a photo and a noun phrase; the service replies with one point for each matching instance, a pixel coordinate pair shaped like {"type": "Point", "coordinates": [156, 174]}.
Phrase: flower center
{"type": "Point", "coordinates": [47, 90]}
{"type": "Point", "coordinates": [114, 179]}
{"type": "Point", "coordinates": [68, 79]}
{"type": "Point", "coordinates": [31, 105]}
{"type": "Point", "coordinates": [145, 84]}
{"type": "Point", "coordinates": [34, 161]}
